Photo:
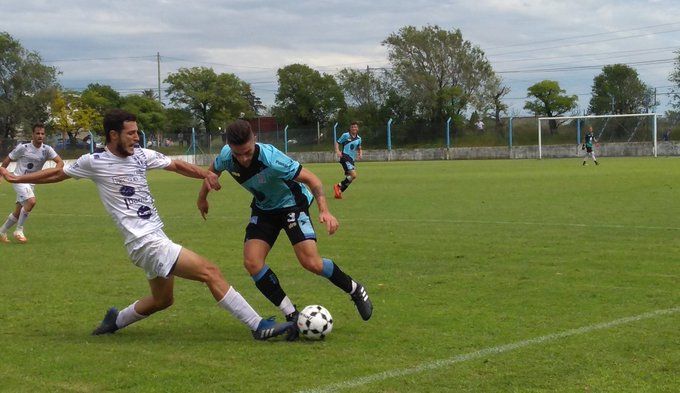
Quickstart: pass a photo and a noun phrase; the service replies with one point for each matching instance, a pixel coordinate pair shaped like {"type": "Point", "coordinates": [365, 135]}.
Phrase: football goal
{"type": "Point", "coordinates": [627, 134]}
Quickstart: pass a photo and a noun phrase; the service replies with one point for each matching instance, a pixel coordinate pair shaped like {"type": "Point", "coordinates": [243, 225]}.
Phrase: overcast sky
{"type": "Point", "coordinates": [115, 42]}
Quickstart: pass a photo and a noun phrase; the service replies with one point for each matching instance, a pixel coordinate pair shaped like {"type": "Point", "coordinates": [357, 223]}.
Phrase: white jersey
{"type": "Point", "coordinates": [29, 158]}
{"type": "Point", "coordinates": [123, 188]}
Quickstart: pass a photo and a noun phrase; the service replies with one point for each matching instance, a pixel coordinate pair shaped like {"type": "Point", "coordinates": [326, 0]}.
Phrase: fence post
{"type": "Point", "coordinates": [143, 138]}
{"type": "Point", "coordinates": [448, 132]}
{"type": "Point", "coordinates": [389, 134]}
{"type": "Point", "coordinates": [91, 142]}
{"type": "Point", "coordinates": [510, 133]}
{"type": "Point", "coordinates": [335, 132]}
{"type": "Point", "coordinates": [285, 139]}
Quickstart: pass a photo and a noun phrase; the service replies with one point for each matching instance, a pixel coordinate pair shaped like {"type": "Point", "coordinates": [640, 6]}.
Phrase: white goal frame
{"type": "Point", "coordinates": [540, 147]}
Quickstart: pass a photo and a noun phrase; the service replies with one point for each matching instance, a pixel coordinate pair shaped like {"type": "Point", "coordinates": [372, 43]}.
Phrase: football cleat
{"type": "Point", "coordinates": [294, 332]}
{"type": "Point", "coordinates": [108, 324]}
{"type": "Point", "coordinates": [19, 235]}
{"type": "Point", "coordinates": [336, 190]}
{"type": "Point", "coordinates": [363, 303]}
{"type": "Point", "coordinates": [3, 238]}
{"type": "Point", "coordinates": [268, 328]}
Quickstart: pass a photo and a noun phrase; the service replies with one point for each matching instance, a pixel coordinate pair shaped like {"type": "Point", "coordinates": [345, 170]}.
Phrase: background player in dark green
{"type": "Point", "coordinates": [281, 198]}
{"type": "Point", "coordinates": [588, 140]}
{"type": "Point", "coordinates": [348, 149]}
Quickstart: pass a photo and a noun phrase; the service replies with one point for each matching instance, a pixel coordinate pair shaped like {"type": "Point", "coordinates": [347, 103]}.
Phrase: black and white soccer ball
{"type": "Point", "coordinates": [315, 322]}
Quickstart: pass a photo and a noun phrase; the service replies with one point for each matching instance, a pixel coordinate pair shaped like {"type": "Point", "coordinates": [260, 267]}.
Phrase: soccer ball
{"type": "Point", "coordinates": [315, 322]}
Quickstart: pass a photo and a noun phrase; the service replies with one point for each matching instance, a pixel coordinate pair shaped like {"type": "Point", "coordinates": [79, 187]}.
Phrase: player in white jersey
{"type": "Point", "coordinates": [29, 157]}
{"type": "Point", "coordinates": [119, 171]}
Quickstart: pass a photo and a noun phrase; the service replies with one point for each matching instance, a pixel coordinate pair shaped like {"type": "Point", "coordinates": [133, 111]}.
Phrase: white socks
{"type": "Point", "coordinates": [128, 316]}
{"type": "Point", "coordinates": [9, 223]}
{"type": "Point", "coordinates": [286, 306]}
{"type": "Point", "coordinates": [239, 308]}
{"type": "Point", "coordinates": [23, 216]}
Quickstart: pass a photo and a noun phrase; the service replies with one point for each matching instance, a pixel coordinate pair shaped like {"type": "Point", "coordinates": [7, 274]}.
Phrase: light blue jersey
{"type": "Point", "coordinates": [349, 145]}
{"type": "Point", "coordinates": [269, 178]}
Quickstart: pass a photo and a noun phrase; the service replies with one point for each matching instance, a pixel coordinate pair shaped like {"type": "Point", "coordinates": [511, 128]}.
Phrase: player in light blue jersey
{"type": "Point", "coordinates": [282, 192]}
{"type": "Point", "coordinates": [348, 149]}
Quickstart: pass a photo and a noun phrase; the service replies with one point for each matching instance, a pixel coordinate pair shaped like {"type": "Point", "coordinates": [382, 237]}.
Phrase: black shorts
{"type": "Point", "coordinates": [347, 164]}
{"type": "Point", "coordinates": [589, 149]}
{"type": "Point", "coordinates": [266, 227]}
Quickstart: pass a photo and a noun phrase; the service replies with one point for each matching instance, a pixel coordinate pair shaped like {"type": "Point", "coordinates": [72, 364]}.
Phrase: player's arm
{"type": "Point", "coordinates": [202, 201]}
{"type": "Point", "coordinates": [58, 161]}
{"type": "Point", "coordinates": [360, 152]}
{"type": "Point", "coordinates": [5, 162]}
{"type": "Point", "coordinates": [337, 149]}
{"type": "Point", "coordinates": [190, 170]}
{"type": "Point", "coordinates": [52, 175]}
{"type": "Point", "coordinates": [315, 185]}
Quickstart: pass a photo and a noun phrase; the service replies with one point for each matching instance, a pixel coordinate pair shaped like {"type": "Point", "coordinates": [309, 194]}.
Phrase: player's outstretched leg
{"type": "Point", "coordinates": [362, 302]}
{"type": "Point", "coordinates": [268, 328]}
{"type": "Point", "coordinates": [108, 324]}
{"type": "Point", "coordinates": [336, 191]}
{"type": "Point", "coordinates": [339, 278]}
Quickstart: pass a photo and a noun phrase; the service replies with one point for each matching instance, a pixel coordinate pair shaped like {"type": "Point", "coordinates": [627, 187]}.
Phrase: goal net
{"type": "Point", "coordinates": [616, 135]}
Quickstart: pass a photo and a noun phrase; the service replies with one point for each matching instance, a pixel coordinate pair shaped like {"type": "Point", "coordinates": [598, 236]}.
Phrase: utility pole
{"type": "Point", "coordinates": [158, 63]}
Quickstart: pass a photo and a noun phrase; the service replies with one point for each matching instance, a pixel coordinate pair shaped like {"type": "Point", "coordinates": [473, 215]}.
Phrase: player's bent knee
{"type": "Point", "coordinates": [253, 266]}
{"type": "Point", "coordinates": [313, 265]}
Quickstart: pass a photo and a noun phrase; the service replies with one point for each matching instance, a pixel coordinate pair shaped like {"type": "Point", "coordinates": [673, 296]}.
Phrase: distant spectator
{"type": "Point", "coordinates": [480, 125]}
{"type": "Point", "coordinates": [667, 135]}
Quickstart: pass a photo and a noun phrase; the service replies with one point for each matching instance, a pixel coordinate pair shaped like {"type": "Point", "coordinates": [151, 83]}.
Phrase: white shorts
{"type": "Point", "coordinates": [155, 253]}
{"type": "Point", "coordinates": [24, 192]}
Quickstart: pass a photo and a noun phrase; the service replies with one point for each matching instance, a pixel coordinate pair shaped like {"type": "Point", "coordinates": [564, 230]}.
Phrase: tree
{"type": "Point", "coordinates": [101, 97]}
{"type": "Point", "coordinates": [363, 89]}
{"type": "Point", "coordinates": [305, 96]}
{"type": "Point", "coordinates": [437, 69]}
{"type": "Point", "coordinates": [211, 98]}
{"type": "Point", "coordinates": [549, 101]}
{"type": "Point", "coordinates": [149, 112]}
{"type": "Point", "coordinates": [70, 114]}
{"type": "Point", "coordinates": [619, 90]}
{"type": "Point", "coordinates": [26, 86]}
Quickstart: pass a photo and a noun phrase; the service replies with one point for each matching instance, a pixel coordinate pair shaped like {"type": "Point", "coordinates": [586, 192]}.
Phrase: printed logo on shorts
{"type": "Point", "coordinates": [253, 220]}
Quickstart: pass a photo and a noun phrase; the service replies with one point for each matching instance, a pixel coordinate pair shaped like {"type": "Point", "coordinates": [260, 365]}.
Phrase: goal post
{"type": "Point", "coordinates": [615, 128]}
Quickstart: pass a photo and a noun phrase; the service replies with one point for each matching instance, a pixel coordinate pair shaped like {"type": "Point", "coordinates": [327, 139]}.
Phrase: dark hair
{"type": "Point", "coordinates": [239, 132]}
{"type": "Point", "coordinates": [37, 125]}
{"type": "Point", "coordinates": [354, 123]}
{"type": "Point", "coordinates": [114, 120]}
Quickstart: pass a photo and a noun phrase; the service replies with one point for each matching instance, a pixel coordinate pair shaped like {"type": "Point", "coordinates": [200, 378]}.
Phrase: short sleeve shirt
{"type": "Point", "coordinates": [349, 145]}
{"type": "Point", "coordinates": [269, 178]}
{"type": "Point", "coordinates": [31, 159]}
{"type": "Point", "coordinates": [123, 188]}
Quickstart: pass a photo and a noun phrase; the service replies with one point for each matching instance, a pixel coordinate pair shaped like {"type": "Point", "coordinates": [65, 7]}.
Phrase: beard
{"type": "Point", "coordinates": [122, 150]}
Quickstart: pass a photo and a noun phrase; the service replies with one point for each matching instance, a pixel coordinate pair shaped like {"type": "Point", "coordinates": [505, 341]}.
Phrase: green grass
{"type": "Point", "coordinates": [457, 256]}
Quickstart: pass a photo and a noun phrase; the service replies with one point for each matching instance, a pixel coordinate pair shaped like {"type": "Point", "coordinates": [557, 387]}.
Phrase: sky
{"type": "Point", "coordinates": [526, 41]}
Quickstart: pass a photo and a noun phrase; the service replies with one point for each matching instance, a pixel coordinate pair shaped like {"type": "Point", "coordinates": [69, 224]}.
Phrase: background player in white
{"type": "Point", "coordinates": [29, 157]}
{"type": "Point", "coordinates": [119, 171]}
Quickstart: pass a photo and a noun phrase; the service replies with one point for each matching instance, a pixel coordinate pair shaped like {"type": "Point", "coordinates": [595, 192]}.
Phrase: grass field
{"type": "Point", "coordinates": [486, 276]}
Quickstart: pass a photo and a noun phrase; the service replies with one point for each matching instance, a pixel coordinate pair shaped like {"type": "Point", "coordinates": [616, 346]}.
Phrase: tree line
{"type": "Point", "coordinates": [434, 76]}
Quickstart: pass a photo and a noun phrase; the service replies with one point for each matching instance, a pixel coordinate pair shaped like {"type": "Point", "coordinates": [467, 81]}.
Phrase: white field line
{"type": "Point", "coordinates": [437, 364]}
{"type": "Point", "coordinates": [414, 220]}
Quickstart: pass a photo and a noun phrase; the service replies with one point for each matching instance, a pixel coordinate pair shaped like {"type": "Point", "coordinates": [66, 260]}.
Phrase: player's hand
{"type": "Point", "coordinates": [7, 175]}
{"type": "Point", "coordinates": [213, 181]}
{"type": "Point", "coordinates": [331, 222]}
{"type": "Point", "coordinates": [203, 207]}
{"type": "Point", "coordinates": [339, 154]}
